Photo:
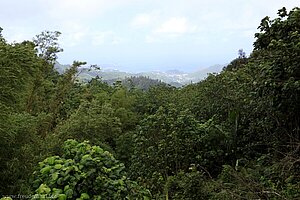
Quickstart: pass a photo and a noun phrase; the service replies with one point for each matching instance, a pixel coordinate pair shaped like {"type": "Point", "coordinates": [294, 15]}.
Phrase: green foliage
{"type": "Point", "coordinates": [141, 82]}
{"type": "Point", "coordinates": [19, 140]}
{"type": "Point", "coordinates": [123, 102]}
{"type": "Point", "coordinates": [6, 198]}
{"type": "Point", "coordinates": [47, 46]}
{"type": "Point", "coordinates": [170, 141]}
{"type": "Point", "coordinates": [125, 147]}
{"type": "Point", "coordinates": [94, 122]}
{"type": "Point", "coordinates": [85, 172]}
{"type": "Point", "coordinates": [277, 54]}
{"type": "Point", "coordinates": [155, 97]}
{"type": "Point", "coordinates": [25, 141]}
{"type": "Point", "coordinates": [188, 186]}
{"type": "Point", "coordinates": [264, 180]}
{"type": "Point", "coordinates": [18, 65]}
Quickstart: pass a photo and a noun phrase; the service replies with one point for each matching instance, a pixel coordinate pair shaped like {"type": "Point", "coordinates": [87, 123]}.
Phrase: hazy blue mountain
{"type": "Point", "coordinates": [61, 68]}
{"type": "Point", "coordinates": [202, 74]}
{"type": "Point", "coordinates": [173, 77]}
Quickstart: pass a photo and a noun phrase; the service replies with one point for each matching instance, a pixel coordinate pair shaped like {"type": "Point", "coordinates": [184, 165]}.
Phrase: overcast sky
{"type": "Point", "coordinates": [142, 35]}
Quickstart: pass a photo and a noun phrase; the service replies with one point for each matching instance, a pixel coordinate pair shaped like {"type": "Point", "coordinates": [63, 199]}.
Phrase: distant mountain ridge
{"type": "Point", "coordinates": [173, 77]}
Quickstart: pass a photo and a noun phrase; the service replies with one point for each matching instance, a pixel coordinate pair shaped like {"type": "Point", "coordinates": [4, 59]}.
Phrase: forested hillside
{"type": "Point", "coordinates": [234, 135]}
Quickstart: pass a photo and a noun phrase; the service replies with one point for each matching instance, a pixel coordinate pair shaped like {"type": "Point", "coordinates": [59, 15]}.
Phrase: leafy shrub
{"type": "Point", "coordinates": [84, 172]}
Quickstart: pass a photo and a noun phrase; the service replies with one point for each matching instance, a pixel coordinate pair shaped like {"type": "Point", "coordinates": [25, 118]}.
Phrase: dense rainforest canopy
{"type": "Point", "coordinates": [234, 135]}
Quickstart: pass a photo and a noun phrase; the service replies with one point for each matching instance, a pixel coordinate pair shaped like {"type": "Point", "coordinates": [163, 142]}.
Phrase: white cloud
{"type": "Point", "coordinates": [82, 10]}
{"type": "Point", "coordinates": [105, 37]}
{"type": "Point", "coordinates": [142, 20]}
{"type": "Point", "coordinates": [150, 39]}
{"type": "Point", "coordinates": [176, 26]}
{"type": "Point", "coordinates": [74, 39]}
{"type": "Point", "coordinates": [17, 33]}
{"type": "Point", "coordinates": [146, 19]}
{"type": "Point", "coordinates": [73, 33]}
{"type": "Point", "coordinates": [171, 29]}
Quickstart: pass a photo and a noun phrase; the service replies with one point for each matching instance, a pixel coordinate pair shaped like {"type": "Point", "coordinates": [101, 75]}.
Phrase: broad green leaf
{"type": "Point", "coordinates": [58, 166]}
{"type": "Point", "coordinates": [84, 196]}
{"type": "Point", "coordinates": [62, 197]}
{"type": "Point", "coordinates": [55, 176]}
{"type": "Point", "coordinates": [45, 170]}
